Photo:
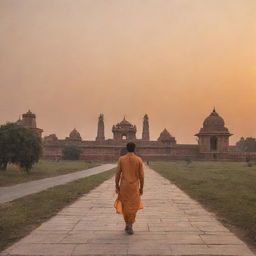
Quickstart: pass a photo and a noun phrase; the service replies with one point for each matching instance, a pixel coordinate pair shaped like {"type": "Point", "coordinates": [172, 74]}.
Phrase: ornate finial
{"type": "Point", "coordinates": [124, 118]}
{"type": "Point", "coordinates": [214, 109]}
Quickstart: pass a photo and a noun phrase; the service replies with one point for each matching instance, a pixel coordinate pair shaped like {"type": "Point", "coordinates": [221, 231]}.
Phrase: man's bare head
{"type": "Point", "coordinates": [130, 147]}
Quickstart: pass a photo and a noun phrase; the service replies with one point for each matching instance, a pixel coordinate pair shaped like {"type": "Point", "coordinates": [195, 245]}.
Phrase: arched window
{"type": "Point", "coordinates": [214, 143]}
{"type": "Point", "coordinates": [124, 137]}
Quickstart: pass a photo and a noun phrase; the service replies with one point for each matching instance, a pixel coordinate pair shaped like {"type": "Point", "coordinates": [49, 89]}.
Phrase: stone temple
{"type": "Point", "coordinates": [213, 142]}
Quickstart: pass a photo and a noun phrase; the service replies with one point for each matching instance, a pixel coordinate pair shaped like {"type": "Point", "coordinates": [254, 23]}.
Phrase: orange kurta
{"type": "Point", "coordinates": [130, 170]}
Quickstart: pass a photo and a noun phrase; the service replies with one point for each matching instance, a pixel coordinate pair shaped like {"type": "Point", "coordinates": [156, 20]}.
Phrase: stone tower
{"type": "Point", "coordinates": [100, 133]}
{"type": "Point", "coordinates": [166, 138]}
{"type": "Point", "coordinates": [29, 121]}
{"type": "Point", "coordinates": [145, 131]}
{"type": "Point", "coordinates": [214, 136]}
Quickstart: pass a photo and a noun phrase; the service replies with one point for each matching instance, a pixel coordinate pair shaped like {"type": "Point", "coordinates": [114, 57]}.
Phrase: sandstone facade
{"type": "Point", "coordinates": [213, 142]}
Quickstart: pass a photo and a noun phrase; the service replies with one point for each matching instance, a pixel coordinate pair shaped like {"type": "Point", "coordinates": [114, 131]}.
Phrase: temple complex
{"type": "Point", "coordinates": [213, 142]}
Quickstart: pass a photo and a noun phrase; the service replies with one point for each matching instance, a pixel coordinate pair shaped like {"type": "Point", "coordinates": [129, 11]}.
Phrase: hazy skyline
{"type": "Point", "coordinates": [68, 61]}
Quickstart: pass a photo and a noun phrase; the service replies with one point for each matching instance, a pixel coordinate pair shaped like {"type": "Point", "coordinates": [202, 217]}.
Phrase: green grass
{"type": "Point", "coordinates": [226, 188]}
{"type": "Point", "coordinates": [20, 217]}
{"type": "Point", "coordinates": [43, 169]}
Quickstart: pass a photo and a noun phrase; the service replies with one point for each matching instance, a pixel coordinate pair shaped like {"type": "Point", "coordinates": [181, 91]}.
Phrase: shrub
{"type": "Point", "coordinates": [249, 164]}
{"type": "Point", "coordinates": [188, 160]}
{"type": "Point", "coordinates": [247, 159]}
{"type": "Point", "coordinates": [71, 153]}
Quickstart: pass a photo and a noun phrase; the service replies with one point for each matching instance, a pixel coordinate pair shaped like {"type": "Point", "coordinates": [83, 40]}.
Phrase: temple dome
{"type": "Point", "coordinates": [124, 123]}
{"type": "Point", "coordinates": [75, 135]}
{"type": "Point", "coordinates": [214, 123]}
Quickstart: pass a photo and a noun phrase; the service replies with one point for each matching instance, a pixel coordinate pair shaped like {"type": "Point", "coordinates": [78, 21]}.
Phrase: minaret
{"type": "Point", "coordinates": [29, 121]}
{"type": "Point", "coordinates": [100, 133]}
{"type": "Point", "coordinates": [145, 132]}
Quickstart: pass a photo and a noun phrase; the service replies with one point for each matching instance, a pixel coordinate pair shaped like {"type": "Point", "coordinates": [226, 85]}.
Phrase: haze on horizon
{"type": "Point", "coordinates": [175, 60]}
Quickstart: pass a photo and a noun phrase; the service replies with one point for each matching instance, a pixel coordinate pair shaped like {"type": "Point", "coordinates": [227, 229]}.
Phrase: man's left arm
{"type": "Point", "coordinates": [118, 176]}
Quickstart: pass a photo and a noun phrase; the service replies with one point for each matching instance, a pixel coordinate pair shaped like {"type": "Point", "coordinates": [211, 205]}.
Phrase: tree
{"type": "Point", "coordinates": [240, 144]}
{"type": "Point", "coordinates": [20, 146]}
{"type": "Point", "coordinates": [71, 153]}
{"type": "Point", "coordinates": [247, 145]}
{"type": "Point", "coordinates": [250, 144]}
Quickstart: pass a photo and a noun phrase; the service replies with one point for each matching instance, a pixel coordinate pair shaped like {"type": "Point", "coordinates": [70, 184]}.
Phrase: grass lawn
{"type": "Point", "coordinates": [43, 169]}
{"type": "Point", "coordinates": [225, 188]}
{"type": "Point", "coordinates": [20, 217]}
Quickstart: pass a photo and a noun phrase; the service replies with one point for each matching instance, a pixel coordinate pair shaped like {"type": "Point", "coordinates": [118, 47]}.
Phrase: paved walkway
{"type": "Point", "coordinates": [170, 224]}
{"type": "Point", "coordinates": [14, 192]}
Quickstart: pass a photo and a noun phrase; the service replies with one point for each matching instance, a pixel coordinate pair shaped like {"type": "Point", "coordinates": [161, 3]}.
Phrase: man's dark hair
{"type": "Point", "coordinates": [130, 146]}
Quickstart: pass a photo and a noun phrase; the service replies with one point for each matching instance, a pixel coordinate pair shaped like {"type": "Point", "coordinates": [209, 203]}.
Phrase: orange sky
{"type": "Point", "coordinates": [69, 60]}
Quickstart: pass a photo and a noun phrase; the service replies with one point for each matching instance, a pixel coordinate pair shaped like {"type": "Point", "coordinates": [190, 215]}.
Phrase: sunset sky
{"type": "Point", "coordinates": [70, 60]}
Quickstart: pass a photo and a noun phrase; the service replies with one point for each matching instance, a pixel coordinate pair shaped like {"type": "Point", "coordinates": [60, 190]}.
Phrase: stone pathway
{"type": "Point", "coordinates": [170, 224]}
{"type": "Point", "coordinates": [16, 191]}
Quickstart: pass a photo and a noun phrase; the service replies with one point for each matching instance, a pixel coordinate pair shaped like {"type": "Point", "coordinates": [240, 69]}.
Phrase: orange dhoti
{"type": "Point", "coordinates": [128, 201]}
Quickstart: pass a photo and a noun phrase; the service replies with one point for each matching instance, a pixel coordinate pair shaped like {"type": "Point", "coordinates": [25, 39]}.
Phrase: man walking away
{"type": "Point", "coordinates": [129, 186]}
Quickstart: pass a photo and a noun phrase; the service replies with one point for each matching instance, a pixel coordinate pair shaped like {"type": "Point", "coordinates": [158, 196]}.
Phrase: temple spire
{"type": "Point", "coordinates": [145, 131]}
{"type": "Point", "coordinates": [100, 132]}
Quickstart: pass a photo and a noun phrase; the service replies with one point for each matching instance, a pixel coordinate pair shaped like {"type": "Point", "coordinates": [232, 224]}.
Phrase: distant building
{"type": "Point", "coordinates": [145, 131]}
{"type": "Point", "coordinates": [213, 143]}
{"type": "Point", "coordinates": [101, 129]}
{"type": "Point", "coordinates": [124, 131]}
{"type": "Point", "coordinates": [166, 138]}
{"type": "Point", "coordinates": [214, 136]}
{"type": "Point", "coordinates": [29, 121]}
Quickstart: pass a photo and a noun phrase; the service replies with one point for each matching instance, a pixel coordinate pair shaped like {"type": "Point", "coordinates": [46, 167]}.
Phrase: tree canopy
{"type": "Point", "coordinates": [19, 145]}
{"type": "Point", "coordinates": [247, 145]}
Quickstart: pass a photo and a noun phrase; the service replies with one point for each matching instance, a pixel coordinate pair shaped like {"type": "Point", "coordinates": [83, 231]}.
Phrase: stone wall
{"type": "Point", "coordinates": [150, 150]}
